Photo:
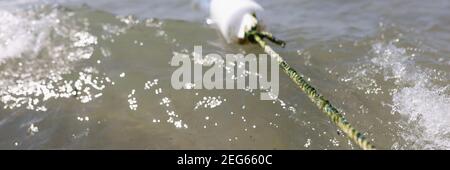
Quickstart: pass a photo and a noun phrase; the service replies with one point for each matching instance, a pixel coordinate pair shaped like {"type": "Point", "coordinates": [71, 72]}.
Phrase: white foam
{"type": "Point", "coordinates": [429, 107]}
{"type": "Point", "coordinates": [18, 34]}
{"type": "Point", "coordinates": [37, 47]}
{"type": "Point", "coordinates": [425, 105]}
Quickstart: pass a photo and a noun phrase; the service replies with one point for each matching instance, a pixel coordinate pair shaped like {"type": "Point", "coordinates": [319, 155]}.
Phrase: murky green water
{"type": "Point", "coordinates": [76, 76]}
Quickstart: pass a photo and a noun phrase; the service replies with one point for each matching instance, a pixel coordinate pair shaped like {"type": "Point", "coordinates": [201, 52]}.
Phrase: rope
{"type": "Point", "coordinates": [324, 105]}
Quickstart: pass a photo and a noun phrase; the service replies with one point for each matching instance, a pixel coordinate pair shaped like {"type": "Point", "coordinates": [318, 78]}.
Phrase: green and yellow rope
{"type": "Point", "coordinates": [324, 105]}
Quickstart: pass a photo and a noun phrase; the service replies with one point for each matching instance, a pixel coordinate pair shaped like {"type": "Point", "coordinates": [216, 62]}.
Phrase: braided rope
{"type": "Point", "coordinates": [318, 99]}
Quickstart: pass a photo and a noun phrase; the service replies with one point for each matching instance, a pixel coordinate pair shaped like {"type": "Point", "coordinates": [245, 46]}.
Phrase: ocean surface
{"type": "Point", "coordinates": [78, 74]}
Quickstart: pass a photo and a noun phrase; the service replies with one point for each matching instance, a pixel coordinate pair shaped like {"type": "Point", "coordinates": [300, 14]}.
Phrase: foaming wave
{"type": "Point", "coordinates": [39, 46]}
{"type": "Point", "coordinates": [423, 103]}
{"type": "Point", "coordinates": [19, 33]}
{"type": "Point", "coordinates": [429, 108]}
{"type": "Point", "coordinates": [419, 94]}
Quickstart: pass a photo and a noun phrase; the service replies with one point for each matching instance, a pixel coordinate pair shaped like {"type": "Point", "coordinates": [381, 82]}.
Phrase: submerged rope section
{"type": "Point", "coordinates": [324, 105]}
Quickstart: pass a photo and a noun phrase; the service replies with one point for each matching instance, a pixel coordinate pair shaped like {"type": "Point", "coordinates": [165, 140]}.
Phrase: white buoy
{"type": "Point", "coordinates": [234, 17]}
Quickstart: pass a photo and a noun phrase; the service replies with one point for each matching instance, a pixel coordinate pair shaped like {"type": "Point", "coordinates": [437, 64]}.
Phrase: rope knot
{"type": "Point", "coordinates": [256, 32]}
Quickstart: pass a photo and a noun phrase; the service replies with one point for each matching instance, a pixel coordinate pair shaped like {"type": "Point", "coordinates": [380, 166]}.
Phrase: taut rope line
{"type": "Point", "coordinates": [324, 105]}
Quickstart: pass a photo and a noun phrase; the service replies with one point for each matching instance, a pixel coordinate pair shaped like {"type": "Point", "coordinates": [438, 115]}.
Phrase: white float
{"type": "Point", "coordinates": [234, 17]}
